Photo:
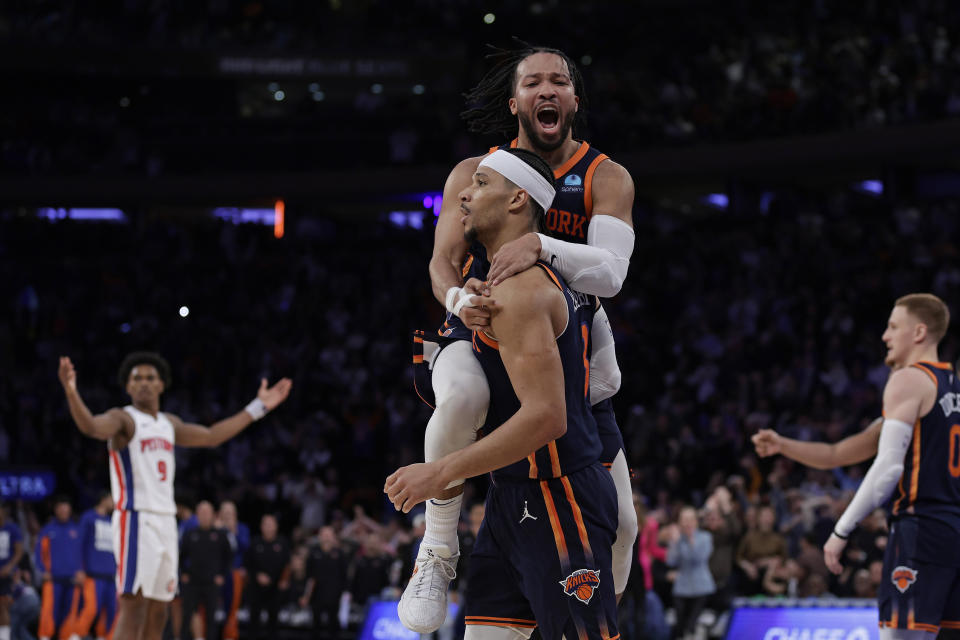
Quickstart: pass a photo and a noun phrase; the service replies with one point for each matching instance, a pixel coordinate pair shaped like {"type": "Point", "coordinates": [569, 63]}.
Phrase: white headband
{"type": "Point", "coordinates": [521, 174]}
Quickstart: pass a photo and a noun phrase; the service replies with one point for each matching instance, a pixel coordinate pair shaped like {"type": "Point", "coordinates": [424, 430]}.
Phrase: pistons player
{"type": "Point", "coordinates": [140, 440]}
{"type": "Point", "coordinates": [535, 94]}
{"type": "Point", "coordinates": [918, 465]}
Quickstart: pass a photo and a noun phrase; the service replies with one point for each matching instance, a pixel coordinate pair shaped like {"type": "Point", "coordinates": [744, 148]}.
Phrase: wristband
{"type": "Point", "coordinates": [464, 301]}
{"type": "Point", "coordinates": [838, 535]}
{"type": "Point", "coordinates": [256, 409]}
{"type": "Point", "coordinates": [453, 295]}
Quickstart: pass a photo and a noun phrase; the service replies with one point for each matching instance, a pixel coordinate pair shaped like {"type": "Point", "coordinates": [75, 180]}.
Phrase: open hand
{"type": "Point", "coordinates": [67, 374]}
{"type": "Point", "coordinates": [273, 396]}
{"type": "Point", "coordinates": [513, 257]}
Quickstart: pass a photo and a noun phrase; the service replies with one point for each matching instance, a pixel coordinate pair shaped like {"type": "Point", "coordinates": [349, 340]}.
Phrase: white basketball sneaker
{"type": "Point", "coordinates": [423, 605]}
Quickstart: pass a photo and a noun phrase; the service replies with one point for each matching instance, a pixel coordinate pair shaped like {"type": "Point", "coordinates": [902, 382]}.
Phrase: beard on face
{"type": "Point", "coordinates": [541, 145]}
{"type": "Point", "coordinates": [470, 235]}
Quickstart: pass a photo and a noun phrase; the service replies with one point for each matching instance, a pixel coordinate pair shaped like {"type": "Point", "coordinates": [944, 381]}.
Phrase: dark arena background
{"type": "Point", "coordinates": [250, 188]}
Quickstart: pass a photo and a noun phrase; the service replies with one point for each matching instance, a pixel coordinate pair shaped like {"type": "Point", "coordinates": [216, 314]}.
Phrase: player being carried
{"type": "Point", "coordinates": [542, 557]}
{"type": "Point", "coordinates": [535, 94]}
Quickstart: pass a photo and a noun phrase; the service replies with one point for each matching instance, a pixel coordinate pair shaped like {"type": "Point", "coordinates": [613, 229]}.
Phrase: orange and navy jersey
{"type": "Point", "coordinates": [59, 549]}
{"type": "Point", "coordinates": [569, 215]}
{"type": "Point", "coordinates": [580, 446]}
{"type": "Point", "coordinates": [567, 218]}
{"type": "Point", "coordinates": [930, 484]}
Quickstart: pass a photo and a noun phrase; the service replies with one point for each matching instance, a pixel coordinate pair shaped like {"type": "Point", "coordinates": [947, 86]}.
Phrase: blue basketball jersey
{"type": "Point", "coordinates": [566, 219]}
{"type": "Point", "coordinates": [580, 446]}
{"type": "Point", "coordinates": [930, 484]}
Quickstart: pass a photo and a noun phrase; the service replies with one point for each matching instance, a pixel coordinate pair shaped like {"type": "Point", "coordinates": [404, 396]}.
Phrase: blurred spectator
{"type": "Point", "coordinates": [205, 564]}
{"type": "Point", "coordinates": [11, 551]}
{"type": "Point", "coordinates": [760, 549]}
{"type": "Point", "coordinates": [268, 568]}
{"type": "Point", "coordinates": [721, 522]}
{"type": "Point", "coordinates": [25, 607]}
{"type": "Point", "coordinates": [99, 590]}
{"type": "Point", "coordinates": [689, 553]}
{"type": "Point", "coordinates": [238, 535]}
{"type": "Point", "coordinates": [59, 562]}
{"type": "Point", "coordinates": [327, 582]}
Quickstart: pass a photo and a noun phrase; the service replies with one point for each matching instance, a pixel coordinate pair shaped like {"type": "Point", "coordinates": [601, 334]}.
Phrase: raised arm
{"type": "Point", "coordinates": [196, 435]}
{"type": "Point", "coordinates": [821, 455]}
{"type": "Point", "coordinates": [596, 268]}
{"type": "Point", "coordinates": [103, 426]}
{"type": "Point", "coordinates": [526, 328]}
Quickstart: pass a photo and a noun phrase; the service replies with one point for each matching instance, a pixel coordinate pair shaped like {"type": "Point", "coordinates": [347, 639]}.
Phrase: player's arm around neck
{"type": "Point", "coordinates": [449, 247]}
{"type": "Point", "coordinates": [597, 268]}
{"type": "Point", "coordinates": [533, 313]}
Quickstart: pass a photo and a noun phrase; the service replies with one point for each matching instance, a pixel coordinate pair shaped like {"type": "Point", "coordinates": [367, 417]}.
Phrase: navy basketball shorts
{"type": "Point", "coordinates": [917, 590]}
{"type": "Point", "coordinates": [543, 557]}
{"type": "Point", "coordinates": [611, 439]}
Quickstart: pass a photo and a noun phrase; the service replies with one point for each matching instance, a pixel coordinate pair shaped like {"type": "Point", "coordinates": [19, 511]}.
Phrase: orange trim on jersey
{"type": "Point", "coordinates": [466, 266]}
{"type": "Point", "coordinates": [916, 626]}
{"type": "Point", "coordinates": [555, 525]}
{"type": "Point", "coordinates": [916, 365]}
{"type": "Point", "coordinates": [532, 459]}
{"type": "Point", "coordinates": [119, 471]}
{"type": "Point", "coordinates": [608, 465]}
{"type": "Point", "coordinates": [493, 619]}
{"type": "Point", "coordinates": [550, 273]}
{"type": "Point", "coordinates": [492, 623]}
{"type": "Point", "coordinates": [417, 339]}
{"type": "Point", "coordinates": [45, 554]}
{"type": "Point", "coordinates": [586, 360]}
{"type": "Point", "coordinates": [121, 565]}
{"type": "Point", "coordinates": [554, 459]}
{"type": "Point", "coordinates": [939, 365]}
{"type": "Point", "coordinates": [574, 159]}
{"type": "Point", "coordinates": [417, 359]}
{"type": "Point", "coordinates": [487, 340]}
{"type": "Point", "coordinates": [421, 397]}
{"type": "Point", "coordinates": [588, 184]}
{"type": "Point", "coordinates": [578, 518]}
{"type": "Point", "coordinates": [950, 624]}
{"type": "Point", "coordinates": [915, 474]}
{"type": "Point", "coordinates": [903, 494]}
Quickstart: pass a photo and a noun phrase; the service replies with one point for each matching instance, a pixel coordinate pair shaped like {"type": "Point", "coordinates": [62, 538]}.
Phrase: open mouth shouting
{"type": "Point", "coordinates": [548, 116]}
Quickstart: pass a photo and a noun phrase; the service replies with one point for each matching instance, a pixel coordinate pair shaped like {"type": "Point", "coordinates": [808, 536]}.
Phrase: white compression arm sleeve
{"type": "Point", "coordinates": [878, 484]}
{"type": "Point", "coordinates": [604, 370]}
{"type": "Point", "coordinates": [599, 267]}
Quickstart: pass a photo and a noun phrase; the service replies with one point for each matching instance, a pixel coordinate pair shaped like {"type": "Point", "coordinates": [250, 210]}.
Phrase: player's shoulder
{"type": "Point", "coordinates": [909, 380]}
{"type": "Point", "coordinates": [610, 169]}
{"type": "Point", "coordinates": [527, 292]}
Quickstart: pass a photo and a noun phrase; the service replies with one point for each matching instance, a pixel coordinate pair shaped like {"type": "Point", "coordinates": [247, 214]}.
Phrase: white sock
{"type": "Point", "coordinates": [442, 518]}
{"type": "Point", "coordinates": [5, 633]}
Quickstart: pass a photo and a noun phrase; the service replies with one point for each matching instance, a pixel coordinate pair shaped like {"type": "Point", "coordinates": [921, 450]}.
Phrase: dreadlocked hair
{"type": "Point", "coordinates": [488, 110]}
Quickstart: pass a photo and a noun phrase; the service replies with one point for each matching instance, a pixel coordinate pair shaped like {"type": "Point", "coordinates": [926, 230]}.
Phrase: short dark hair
{"type": "Point", "coordinates": [540, 166]}
{"type": "Point", "coordinates": [144, 357]}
